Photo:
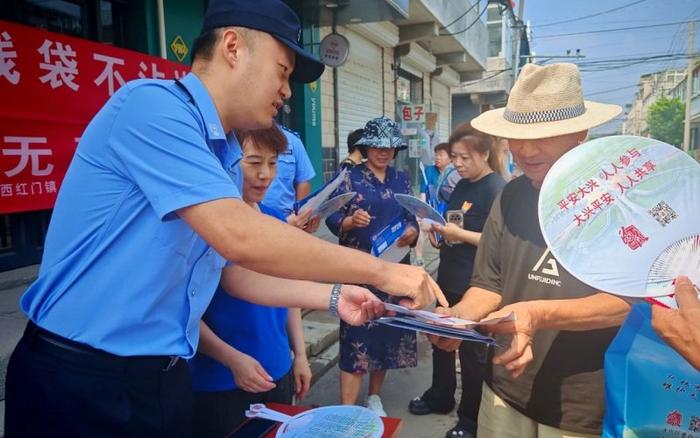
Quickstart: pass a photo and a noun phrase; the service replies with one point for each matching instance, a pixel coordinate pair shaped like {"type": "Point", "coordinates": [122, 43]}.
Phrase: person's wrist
{"type": "Point", "coordinates": [458, 312]}
{"type": "Point", "coordinates": [538, 315]}
{"type": "Point", "coordinates": [301, 356]}
{"type": "Point", "coordinates": [233, 358]}
{"type": "Point", "coordinates": [334, 299]}
{"type": "Point", "coordinates": [378, 271]}
{"type": "Point", "coordinates": [347, 223]}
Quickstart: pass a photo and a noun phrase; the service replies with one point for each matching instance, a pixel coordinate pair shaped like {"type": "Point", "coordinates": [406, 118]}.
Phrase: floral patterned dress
{"type": "Point", "coordinates": [373, 346]}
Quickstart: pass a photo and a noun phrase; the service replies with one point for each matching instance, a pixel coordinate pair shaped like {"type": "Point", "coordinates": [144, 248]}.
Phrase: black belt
{"type": "Point", "coordinates": [58, 344]}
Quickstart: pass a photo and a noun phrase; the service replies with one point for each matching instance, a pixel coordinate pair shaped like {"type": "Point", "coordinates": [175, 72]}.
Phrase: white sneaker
{"type": "Point", "coordinates": [374, 403]}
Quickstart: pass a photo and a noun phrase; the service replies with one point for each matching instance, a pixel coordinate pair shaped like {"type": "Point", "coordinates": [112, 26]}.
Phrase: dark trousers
{"type": "Point", "coordinates": [473, 358]}
{"type": "Point", "coordinates": [218, 413]}
{"type": "Point", "coordinates": [57, 387]}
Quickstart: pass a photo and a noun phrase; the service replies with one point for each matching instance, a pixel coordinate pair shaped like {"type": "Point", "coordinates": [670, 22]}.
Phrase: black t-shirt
{"type": "Point", "coordinates": [563, 386]}
{"type": "Point", "coordinates": [469, 203]}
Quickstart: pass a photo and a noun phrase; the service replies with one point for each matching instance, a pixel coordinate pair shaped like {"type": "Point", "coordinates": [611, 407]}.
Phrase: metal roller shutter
{"type": "Point", "coordinates": [359, 86]}
{"type": "Point", "coordinates": [441, 105]}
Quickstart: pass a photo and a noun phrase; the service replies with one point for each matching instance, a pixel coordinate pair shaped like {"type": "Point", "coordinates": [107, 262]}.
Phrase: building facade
{"type": "Point", "coordinates": [679, 91]}
{"type": "Point", "coordinates": [401, 52]}
{"type": "Point", "coordinates": [490, 89]}
{"type": "Point", "coordinates": [652, 87]}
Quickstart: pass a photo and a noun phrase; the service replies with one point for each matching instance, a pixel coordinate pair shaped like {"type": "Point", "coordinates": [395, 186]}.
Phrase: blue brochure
{"type": "Point", "coordinates": [384, 242]}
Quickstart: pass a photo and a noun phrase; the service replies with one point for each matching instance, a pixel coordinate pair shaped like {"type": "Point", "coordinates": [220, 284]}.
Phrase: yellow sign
{"type": "Point", "coordinates": [312, 86]}
{"type": "Point", "coordinates": [179, 48]}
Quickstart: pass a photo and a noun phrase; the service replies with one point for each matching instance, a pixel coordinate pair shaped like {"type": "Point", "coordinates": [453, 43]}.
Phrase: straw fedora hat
{"type": "Point", "coordinates": [546, 101]}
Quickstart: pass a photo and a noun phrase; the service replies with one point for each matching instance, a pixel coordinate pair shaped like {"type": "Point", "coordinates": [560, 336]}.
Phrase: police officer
{"type": "Point", "coordinates": [146, 218]}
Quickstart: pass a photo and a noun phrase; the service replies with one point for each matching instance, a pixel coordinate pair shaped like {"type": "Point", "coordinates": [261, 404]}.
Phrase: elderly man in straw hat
{"type": "Point", "coordinates": [549, 381]}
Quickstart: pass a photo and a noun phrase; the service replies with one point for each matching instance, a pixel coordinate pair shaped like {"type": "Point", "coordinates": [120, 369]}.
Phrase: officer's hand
{"type": "Point", "coordinates": [358, 305]}
{"type": "Point", "coordinates": [413, 283]}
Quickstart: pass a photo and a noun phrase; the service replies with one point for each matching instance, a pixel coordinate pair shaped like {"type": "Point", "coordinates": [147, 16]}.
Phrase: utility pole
{"type": "Point", "coordinates": [689, 85]}
{"type": "Point", "coordinates": [516, 43]}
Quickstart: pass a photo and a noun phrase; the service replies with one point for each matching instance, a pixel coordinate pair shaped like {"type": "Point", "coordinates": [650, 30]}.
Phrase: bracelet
{"type": "Point", "coordinates": [334, 298]}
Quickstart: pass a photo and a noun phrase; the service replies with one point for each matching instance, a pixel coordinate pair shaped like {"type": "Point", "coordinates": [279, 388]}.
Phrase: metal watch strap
{"type": "Point", "coordinates": [335, 297]}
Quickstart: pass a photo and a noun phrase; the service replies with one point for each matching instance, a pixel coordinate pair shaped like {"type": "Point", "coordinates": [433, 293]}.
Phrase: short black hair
{"type": "Point", "coordinates": [203, 45]}
{"type": "Point", "coordinates": [353, 137]}
{"type": "Point", "coordinates": [442, 147]}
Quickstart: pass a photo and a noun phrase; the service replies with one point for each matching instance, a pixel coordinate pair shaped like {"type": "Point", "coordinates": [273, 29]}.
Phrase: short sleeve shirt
{"type": "Point", "coordinates": [563, 386]}
{"type": "Point", "coordinates": [121, 271]}
{"type": "Point", "coordinates": [258, 331]}
{"type": "Point", "coordinates": [470, 204]}
{"type": "Point", "coordinates": [293, 167]}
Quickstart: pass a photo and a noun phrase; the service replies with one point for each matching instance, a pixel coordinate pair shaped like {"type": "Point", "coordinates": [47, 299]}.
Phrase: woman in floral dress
{"type": "Point", "coordinates": [373, 348]}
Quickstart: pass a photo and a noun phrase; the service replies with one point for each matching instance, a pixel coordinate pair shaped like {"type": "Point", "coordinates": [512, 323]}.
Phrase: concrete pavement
{"type": "Point", "coordinates": [399, 388]}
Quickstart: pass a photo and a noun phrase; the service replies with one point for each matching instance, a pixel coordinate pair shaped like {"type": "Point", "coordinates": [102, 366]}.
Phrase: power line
{"type": "Point", "coordinates": [606, 66]}
{"type": "Point", "coordinates": [677, 43]}
{"type": "Point", "coordinates": [602, 61]}
{"type": "Point", "coordinates": [612, 30]}
{"type": "Point", "coordinates": [618, 43]}
{"type": "Point", "coordinates": [630, 56]}
{"type": "Point", "coordinates": [476, 81]}
{"type": "Point", "coordinates": [591, 15]}
{"type": "Point", "coordinates": [610, 90]}
{"type": "Point", "coordinates": [461, 16]}
{"type": "Point", "coordinates": [470, 26]}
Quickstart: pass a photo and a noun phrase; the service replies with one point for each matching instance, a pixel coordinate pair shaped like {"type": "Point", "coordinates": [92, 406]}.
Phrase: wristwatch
{"type": "Point", "coordinates": [335, 297]}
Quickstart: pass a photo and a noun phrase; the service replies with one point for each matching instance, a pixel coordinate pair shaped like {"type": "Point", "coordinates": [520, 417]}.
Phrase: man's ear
{"type": "Point", "coordinates": [581, 136]}
{"type": "Point", "coordinates": [231, 45]}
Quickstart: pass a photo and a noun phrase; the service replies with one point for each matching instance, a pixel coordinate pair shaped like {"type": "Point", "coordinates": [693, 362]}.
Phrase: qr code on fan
{"type": "Point", "coordinates": [663, 213]}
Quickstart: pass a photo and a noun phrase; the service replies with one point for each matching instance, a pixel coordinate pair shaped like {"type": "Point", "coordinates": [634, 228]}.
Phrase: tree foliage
{"type": "Point", "coordinates": [665, 120]}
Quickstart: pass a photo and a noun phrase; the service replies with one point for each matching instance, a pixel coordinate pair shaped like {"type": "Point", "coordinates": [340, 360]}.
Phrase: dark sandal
{"type": "Point", "coordinates": [461, 431]}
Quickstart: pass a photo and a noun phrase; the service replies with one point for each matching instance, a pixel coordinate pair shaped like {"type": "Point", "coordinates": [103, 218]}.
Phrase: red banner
{"type": "Point", "coordinates": [51, 85]}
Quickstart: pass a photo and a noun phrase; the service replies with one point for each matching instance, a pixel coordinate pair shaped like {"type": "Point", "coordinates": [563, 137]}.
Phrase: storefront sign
{"type": "Point", "coordinates": [51, 86]}
{"type": "Point", "coordinates": [413, 113]}
{"type": "Point", "coordinates": [334, 50]}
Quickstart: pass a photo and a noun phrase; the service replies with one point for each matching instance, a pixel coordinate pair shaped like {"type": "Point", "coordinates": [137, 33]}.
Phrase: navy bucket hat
{"type": "Point", "coordinates": [269, 16]}
{"type": "Point", "coordinates": [382, 132]}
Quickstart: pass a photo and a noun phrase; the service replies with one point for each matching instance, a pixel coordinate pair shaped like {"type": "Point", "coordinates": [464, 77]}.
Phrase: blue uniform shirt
{"type": "Point", "coordinates": [293, 167]}
{"type": "Point", "coordinates": [258, 331]}
{"type": "Point", "coordinates": [121, 271]}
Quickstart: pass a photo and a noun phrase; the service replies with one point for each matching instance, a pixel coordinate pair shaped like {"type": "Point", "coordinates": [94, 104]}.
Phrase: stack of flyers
{"type": "Point", "coordinates": [440, 325]}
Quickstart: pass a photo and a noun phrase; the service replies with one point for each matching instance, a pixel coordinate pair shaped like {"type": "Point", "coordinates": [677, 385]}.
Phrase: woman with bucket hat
{"type": "Point", "coordinates": [548, 380]}
{"type": "Point", "coordinates": [373, 348]}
